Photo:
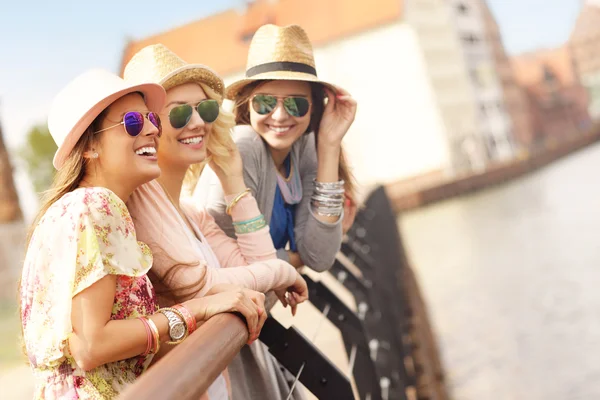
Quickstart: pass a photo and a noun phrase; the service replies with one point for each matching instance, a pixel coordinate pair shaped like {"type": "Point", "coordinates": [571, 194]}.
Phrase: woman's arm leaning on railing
{"type": "Point", "coordinates": [191, 367]}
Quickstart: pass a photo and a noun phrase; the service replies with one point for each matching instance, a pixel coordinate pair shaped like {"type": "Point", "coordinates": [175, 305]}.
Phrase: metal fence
{"type": "Point", "coordinates": [388, 339]}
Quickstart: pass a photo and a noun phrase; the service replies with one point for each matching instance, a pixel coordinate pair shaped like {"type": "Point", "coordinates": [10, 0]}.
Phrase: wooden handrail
{"type": "Point", "coordinates": [190, 368]}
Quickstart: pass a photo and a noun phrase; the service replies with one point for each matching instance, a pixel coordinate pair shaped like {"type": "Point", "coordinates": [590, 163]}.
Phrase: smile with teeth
{"type": "Point", "coordinates": [146, 151]}
{"type": "Point", "coordinates": [279, 129]}
{"type": "Point", "coordinates": [193, 140]}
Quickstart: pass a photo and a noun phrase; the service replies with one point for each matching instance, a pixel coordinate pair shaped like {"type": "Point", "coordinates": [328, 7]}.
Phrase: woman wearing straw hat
{"type": "Point", "coordinates": [89, 314]}
{"type": "Point", "coordinates": [200, 255]}
{"type": "Point", "coordinates": [290, 143]}
{"type": "Point", "coordinates": [283, 125]}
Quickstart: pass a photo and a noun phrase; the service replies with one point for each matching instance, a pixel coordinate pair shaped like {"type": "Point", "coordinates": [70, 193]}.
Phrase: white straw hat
{"type": "Point", "coordinates": [84, 98]}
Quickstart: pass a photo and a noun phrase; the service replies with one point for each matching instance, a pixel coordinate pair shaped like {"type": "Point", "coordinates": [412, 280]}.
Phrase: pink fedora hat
{"type": "Point", "coordinates": [84, 98]}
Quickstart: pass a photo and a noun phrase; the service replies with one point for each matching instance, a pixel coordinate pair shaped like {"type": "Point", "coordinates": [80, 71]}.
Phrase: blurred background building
{"type": "Point", "coordinates": [478, 42]}
{"type": "Point", "coordinates": [585, 47]}
{"type": "Point", "coordinates": [557, 102]}
{"type": "Point", "coordinates": [438, 94]}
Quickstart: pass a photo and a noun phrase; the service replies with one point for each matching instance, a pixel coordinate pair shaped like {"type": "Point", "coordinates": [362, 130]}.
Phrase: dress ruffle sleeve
{"type": "Point", "coordinates": [85, 236]}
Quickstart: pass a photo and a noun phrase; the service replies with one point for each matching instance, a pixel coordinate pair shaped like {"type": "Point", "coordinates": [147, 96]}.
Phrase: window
{"type": "Point", "coordinates": [470, 38]}
{"type": "Point", "coordinates": [247, 37]}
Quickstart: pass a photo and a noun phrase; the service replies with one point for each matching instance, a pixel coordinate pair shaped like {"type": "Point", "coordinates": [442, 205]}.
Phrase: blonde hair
{"type": "Point", "coordinates": [241, 111]}
{"type": "Point", "coordinates": [219, 144]}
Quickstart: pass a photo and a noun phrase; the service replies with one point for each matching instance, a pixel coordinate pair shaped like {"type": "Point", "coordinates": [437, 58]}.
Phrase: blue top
{"type": "Point", "coordinates": [282, 218]}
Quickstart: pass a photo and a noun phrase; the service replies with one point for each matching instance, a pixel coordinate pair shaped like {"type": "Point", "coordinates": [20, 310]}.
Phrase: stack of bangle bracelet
{"type": "Point", "coordinates": [181, 324]}
{"type": "Point", "coordinates": [328, 198]}
{"type": "Point", "coordinates": [152, 335]}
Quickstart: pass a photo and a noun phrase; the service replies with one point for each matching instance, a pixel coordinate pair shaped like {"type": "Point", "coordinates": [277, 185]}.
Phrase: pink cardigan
{"type": "Point", "coordinates": [250, 261]}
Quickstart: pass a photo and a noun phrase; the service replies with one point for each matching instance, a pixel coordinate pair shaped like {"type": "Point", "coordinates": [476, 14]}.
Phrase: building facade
{"type": "Point", "coordinates": [515, 97]}
{"type": "Point", "coordinates": [445, 65]}
{"type": "Point", "coordinates": [558, 103]}
{"type": "Point", "coordinates": [585, 47]}
{"type": "Point", "coordinates": [478, 41]}
{"type": "Point", "coordinates": [419, 112]}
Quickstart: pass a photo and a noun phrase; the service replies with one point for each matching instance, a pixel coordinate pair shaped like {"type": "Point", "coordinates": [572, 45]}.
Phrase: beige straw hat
{"type": "Point", "coordinates": [76, 106]}
{"type": "Point", "coordinates": [283, 53]}
{"type": "Point", "coordinates": [156, 63]}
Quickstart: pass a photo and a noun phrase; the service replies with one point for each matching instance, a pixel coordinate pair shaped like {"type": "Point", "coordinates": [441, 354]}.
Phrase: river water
{"type": "Point", "coordinates": [511, 277]}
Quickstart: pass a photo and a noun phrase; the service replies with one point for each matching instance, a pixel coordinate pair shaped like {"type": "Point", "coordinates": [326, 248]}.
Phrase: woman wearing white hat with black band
{"type": "Point", "coordinates": [291, 145]}
{"type": "Point", "coordinates": [90, 319]}
{"type": "Point", "coordinates": [290, 139]}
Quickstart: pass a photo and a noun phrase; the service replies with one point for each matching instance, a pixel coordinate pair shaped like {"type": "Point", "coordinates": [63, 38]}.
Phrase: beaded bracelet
{"type": "Point", "coordinates": [251, 225]}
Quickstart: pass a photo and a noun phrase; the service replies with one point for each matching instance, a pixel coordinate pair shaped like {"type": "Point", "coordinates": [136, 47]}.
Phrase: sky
{"type": "Point", "coordinates": [45, 44]}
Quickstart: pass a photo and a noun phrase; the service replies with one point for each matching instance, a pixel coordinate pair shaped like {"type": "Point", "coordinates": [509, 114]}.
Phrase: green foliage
{"type": "Point", "coordinates": [37, 153]}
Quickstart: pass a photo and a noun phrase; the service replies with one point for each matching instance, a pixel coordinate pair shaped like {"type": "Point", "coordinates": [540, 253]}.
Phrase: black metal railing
{"type": "Point", "coordinates": [390, 345]}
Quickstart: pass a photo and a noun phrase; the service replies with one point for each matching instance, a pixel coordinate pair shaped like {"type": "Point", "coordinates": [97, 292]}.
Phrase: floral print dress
{"type": "Point", "coordinates": [83, 237]}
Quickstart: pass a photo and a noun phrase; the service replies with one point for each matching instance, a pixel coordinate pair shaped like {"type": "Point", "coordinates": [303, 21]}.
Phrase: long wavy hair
{"type": "Point", "coordinates": [66, 179]}
{"type": "Point", "coordinates": [219, 144]}
{"type": "Point", "coordinates": [241, 112]}
{"type": "Point", "coordinates": [69, 177]}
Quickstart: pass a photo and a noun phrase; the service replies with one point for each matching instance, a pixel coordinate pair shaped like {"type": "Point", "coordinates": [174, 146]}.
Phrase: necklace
{"type": "Point", "coordinates": [179, 211]}
{"type": "Point", "coordinates": [290, 187]}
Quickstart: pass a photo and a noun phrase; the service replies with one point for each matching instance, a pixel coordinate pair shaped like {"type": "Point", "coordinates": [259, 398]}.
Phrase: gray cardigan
{"type": "Point", "coordinates": [318, 242]}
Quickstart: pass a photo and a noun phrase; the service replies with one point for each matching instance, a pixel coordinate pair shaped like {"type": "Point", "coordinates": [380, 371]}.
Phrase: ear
{"type": "Point", "coordinates": [90, 154]}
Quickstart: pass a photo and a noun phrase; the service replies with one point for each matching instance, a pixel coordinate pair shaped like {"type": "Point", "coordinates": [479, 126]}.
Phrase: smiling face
{"type": "Point", "coordinates": [182, 147]}
{"type": "Point", "coordinates": [279, 129]}
{"type": "Point", "coordinates": [125, 160]}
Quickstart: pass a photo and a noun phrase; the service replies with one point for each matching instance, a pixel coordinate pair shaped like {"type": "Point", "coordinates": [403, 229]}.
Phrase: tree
{"type": "Point", "coordinates": [38, 153]}
{"type": "Point", "coordinates": [10, 210]}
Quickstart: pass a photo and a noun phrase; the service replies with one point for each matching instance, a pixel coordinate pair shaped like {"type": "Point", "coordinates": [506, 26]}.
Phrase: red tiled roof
{"type": "Point", "coordinates": [221, 41]}
{"type": "Point", "coordinates": [529, 67]}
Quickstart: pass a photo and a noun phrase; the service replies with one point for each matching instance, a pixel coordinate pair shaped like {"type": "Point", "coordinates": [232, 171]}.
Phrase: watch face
{"type": "Point", "coordinates": [177, 331]}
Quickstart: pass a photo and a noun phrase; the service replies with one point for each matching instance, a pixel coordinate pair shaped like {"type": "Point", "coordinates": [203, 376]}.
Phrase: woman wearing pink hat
{"type": "Point", "coordinates": [90, 318]}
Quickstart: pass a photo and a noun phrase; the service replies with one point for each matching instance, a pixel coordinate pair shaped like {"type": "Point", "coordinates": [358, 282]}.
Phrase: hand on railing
{"type": "Point", "coordinates": [293, 295]}
{"type": "Point", "coordinates": [232, 298]}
